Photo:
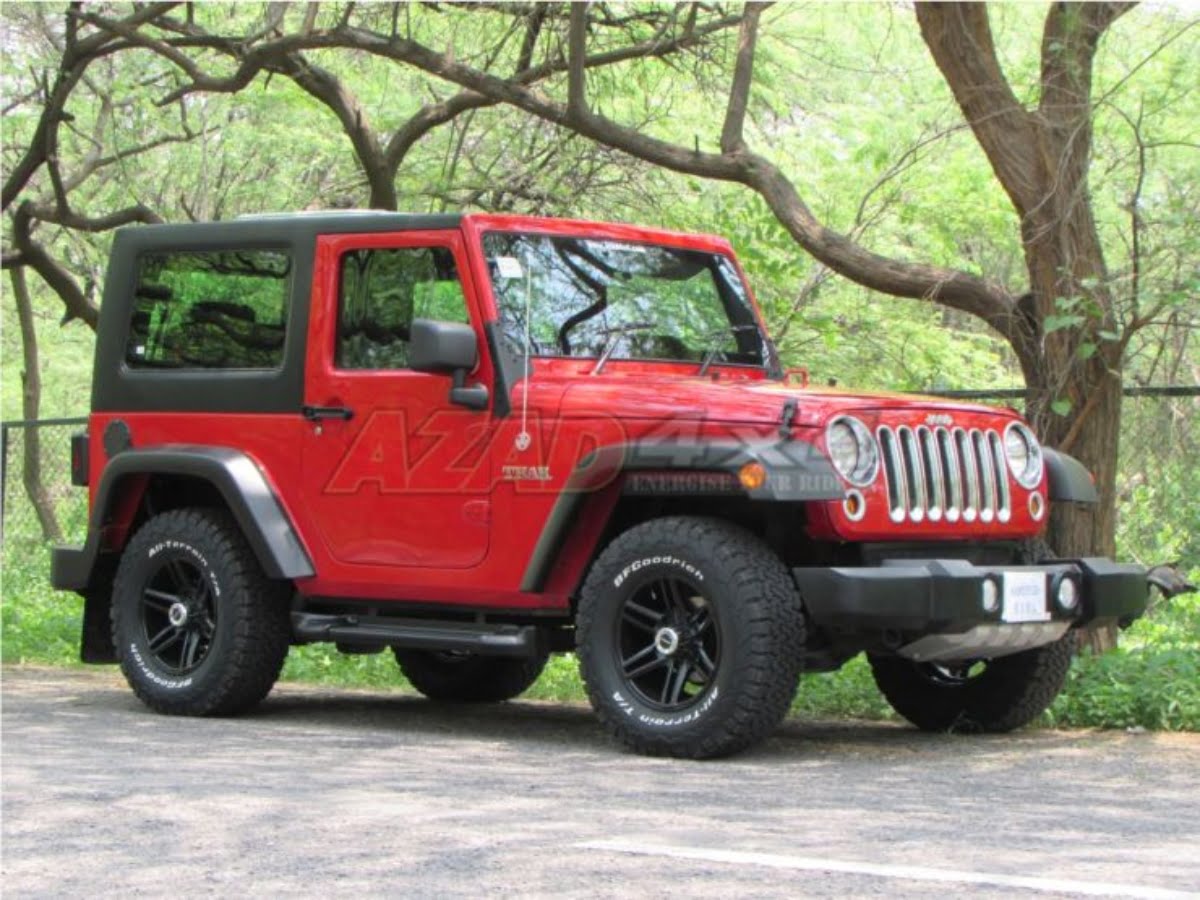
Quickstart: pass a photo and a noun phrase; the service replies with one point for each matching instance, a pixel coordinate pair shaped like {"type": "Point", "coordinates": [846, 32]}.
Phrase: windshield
{"type": "Point", "coordinates": [620, 300]}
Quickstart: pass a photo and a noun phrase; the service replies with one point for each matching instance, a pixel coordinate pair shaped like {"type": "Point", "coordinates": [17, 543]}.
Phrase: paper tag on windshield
{"type": "Point", "coordinates": [508, 267]}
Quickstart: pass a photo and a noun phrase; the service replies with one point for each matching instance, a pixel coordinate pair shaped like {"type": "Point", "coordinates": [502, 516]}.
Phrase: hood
{"type": "Point", "coordinates": [658, 397]}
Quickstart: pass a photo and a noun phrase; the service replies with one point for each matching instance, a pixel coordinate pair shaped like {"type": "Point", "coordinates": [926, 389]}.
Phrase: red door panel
{"type": "Point", "coordinates": [404, 483]}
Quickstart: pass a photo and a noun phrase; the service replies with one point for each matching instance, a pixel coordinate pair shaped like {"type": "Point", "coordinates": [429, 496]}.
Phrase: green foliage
{"type": "Point", "coordinates": [1152, 681]}
{"type": "Point", "coordinates": [848, 692]}
{"type": "Point", "coordinates": [37, 624]}
{"type": "Point", "coordinates": [323, 664]}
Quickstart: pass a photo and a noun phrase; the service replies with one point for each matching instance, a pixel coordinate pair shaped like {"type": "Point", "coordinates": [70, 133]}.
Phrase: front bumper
{"type": "Point", "coordinates": [934, 609]}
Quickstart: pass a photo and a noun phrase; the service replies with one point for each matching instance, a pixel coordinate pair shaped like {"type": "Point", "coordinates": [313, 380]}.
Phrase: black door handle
{"type": "Point", "coordinates": [316, 413]}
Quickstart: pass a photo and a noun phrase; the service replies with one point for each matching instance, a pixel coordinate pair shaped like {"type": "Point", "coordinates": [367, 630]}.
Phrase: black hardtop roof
{"type": "Point", "coordinates": [291, 225]}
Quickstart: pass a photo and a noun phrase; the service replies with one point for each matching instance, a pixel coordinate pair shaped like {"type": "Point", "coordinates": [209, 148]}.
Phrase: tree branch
{"type": "Point", "coordinates": [959, 37]}
{"type": "Point", "coordinates": [576, 64]}
{"type": "Point", "coordinates": [78, 54]}
{"type": "Point", "coordinates": [52, 272]}
{"type": "Point", "coordinates": [951, 287]}
{"type": "Point", "coordinates": [732, 139]}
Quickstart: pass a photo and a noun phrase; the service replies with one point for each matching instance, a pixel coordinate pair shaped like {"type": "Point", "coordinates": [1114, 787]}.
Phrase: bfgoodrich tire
{"type": "Point", "coordinates": [689, 634]}
{"type": "Point", "coordinates": [467, 677]}
{"type": "Point", "coordinates": [198, 628]}
{"type": "Point", "coordinates": [996, 695]}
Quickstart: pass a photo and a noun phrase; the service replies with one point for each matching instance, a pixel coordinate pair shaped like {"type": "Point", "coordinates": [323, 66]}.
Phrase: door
{"type": "Point", "coordinates": [394, 474]}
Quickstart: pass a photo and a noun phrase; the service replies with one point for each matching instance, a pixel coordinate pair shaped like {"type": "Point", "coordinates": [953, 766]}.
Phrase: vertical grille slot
{"type": "Point", "coordinates": [911, 464]}
{"type": "Point", "coordinates": [893, 472]}
{"type": "Point", "coordinates": [931, 468]}
{"type": "Point", "coordinates": [970, 474]}
{"type": "Point", "coordinates": [948, 457]}
{"type": "Point", "coordinates": [1000, 474]}
{"type": "Point", "coordinates": [987, 475]}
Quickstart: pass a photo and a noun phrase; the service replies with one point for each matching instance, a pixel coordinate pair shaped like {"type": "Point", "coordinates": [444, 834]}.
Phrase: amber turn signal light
{"type": "Point", "coordinates": [752, 476]}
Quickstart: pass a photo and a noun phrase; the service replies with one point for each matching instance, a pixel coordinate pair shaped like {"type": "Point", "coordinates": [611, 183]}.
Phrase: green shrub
{"type": "Point", "coordinates": [37, 624]}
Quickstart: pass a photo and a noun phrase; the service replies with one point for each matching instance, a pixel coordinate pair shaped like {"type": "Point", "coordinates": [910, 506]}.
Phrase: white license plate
{"type": "Point", "coordinates": [1025, 597]}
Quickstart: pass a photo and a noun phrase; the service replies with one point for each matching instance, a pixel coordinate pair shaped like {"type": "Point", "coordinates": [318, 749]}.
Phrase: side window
{"type": "Point", "coordinates": [209, 309]}
{"type": "Point", "coordinates": [382, 291]}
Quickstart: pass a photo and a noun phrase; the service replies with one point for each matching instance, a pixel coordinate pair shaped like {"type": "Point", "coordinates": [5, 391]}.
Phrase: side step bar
{"type": "Point", "coordinates": [417, 634]}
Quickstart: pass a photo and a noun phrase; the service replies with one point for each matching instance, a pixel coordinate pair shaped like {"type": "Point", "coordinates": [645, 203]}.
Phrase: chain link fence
{"type": "Point", "coordinates": [1158, 486]}
{"type": "Point", "coordinates": [40, 504]}
{"type": "Point", "coordinates": [1158, 479]}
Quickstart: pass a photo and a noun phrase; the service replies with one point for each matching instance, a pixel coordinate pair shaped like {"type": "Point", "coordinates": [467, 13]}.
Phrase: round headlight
{"type": "Point", "coordinates": [852, 450]}
{"type": "Point", "coordinates": [1023, 454]}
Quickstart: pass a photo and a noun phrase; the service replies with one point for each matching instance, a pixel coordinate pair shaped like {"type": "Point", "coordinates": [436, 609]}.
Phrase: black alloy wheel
{"type": "Point", "coordinates": [668, 642]}
{"type": "Point", "coordinates": [179, 616]}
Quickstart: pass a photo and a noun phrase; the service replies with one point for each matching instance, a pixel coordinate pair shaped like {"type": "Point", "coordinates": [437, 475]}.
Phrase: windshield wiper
{"type": "Point", "coordinates": [710, 355]}
{"type": "Point", "coordinates": [615, 334]}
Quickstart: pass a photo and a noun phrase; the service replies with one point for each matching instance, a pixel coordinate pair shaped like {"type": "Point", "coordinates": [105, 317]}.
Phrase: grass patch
{"type": "Point", "coordinates": [1152, 681]}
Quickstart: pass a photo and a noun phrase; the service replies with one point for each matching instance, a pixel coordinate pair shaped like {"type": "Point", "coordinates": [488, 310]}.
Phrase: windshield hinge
{"type": "Point", "coordinates": [786, 418]}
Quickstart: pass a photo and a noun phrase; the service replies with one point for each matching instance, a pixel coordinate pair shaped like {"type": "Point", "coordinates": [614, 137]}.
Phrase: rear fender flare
{"type": "Point", "coordinates": [237, 478]}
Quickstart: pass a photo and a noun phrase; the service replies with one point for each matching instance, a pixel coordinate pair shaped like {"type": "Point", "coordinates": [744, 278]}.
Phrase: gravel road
{"type": "Point", "coordinates": [332, 792]}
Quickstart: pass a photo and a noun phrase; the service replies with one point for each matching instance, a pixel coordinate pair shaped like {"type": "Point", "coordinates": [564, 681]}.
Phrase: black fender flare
{"type": "Point", "coordinates": [796, 472]}
{"type": "Point", "coordinates": [1069, 481]}
{"type": "Point", "coordinates": [238, 479]}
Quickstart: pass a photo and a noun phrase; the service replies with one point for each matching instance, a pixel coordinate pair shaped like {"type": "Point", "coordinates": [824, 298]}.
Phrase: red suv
{"type": "Point", "coordinates": [477, 440]}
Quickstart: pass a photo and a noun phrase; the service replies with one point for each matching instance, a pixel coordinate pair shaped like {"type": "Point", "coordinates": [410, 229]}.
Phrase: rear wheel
{"type": "Point", "coordinates": [689, 636]}
{"type": "Point", "coordinates": [454, 677]}
{"type": "Point", "coordinates": [198, 628]}
{"type": "Point", "coordinates": [995, 695]}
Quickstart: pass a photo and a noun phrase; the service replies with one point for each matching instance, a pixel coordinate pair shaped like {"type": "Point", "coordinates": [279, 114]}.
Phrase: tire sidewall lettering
{"type": "Point", "coordinates": [177, 546]}
{"type": "Point", "coordinates": [658, 560]}
{"type": "Point", "coordinates": [171, 684]}
{"type": "Point", "coordinates": [652, 719]}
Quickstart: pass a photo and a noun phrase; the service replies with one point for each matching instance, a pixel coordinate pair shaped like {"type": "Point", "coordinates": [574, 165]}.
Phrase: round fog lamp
{"type": "Point", "coordinates": [1067, 595]}
{"type": "Point", "coordinates": [991, 595]}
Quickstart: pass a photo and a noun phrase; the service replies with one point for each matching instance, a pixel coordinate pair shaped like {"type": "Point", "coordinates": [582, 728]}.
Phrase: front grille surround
{"type": "Point", "coordinates": [940, 473]}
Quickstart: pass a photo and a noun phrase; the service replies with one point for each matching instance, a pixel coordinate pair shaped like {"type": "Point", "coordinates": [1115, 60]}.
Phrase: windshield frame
{"type": "Point", "coordinates": [718, 249]}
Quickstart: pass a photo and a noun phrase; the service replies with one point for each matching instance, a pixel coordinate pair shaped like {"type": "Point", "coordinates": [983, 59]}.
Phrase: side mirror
{"type": "Point", "coordinates": [441, 347]}
{"type": "Point", "coordinates": [447, 348]}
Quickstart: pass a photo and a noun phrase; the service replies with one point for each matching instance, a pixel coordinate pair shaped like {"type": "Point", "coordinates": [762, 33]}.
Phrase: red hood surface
{"type": "Point", "coordinates": [742, 401]}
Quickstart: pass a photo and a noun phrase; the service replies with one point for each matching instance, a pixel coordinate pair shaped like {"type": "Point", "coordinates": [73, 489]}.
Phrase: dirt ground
{"type": "Point", "coordinates": [332, 792]}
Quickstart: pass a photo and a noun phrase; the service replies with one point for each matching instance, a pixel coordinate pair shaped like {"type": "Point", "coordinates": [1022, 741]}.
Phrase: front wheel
{"type": "Point", "coordinates": [198, 628]}
{"type": "Point", "coordinates": [994, 695]}
{"type": "Point", "coordinates": [690, 634]}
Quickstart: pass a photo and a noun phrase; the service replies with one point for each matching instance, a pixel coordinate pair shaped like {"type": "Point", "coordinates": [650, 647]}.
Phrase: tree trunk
{"type": "Point", "coordinates": [1074, 365]}
{"type": "Point", "coordinates": [1041, 157]}
{"type": "Point", "coordinates": [31, 399]}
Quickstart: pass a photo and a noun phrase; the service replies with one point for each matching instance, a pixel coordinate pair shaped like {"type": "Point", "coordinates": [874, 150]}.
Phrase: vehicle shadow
{"type": "Point", "coordinates": [573, 724]}
{"type": "Point", "coordinates": [339, 713]}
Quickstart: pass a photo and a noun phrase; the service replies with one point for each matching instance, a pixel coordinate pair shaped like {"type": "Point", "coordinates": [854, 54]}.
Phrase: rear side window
{"type": "Point", "coordinates": [210, 309]}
